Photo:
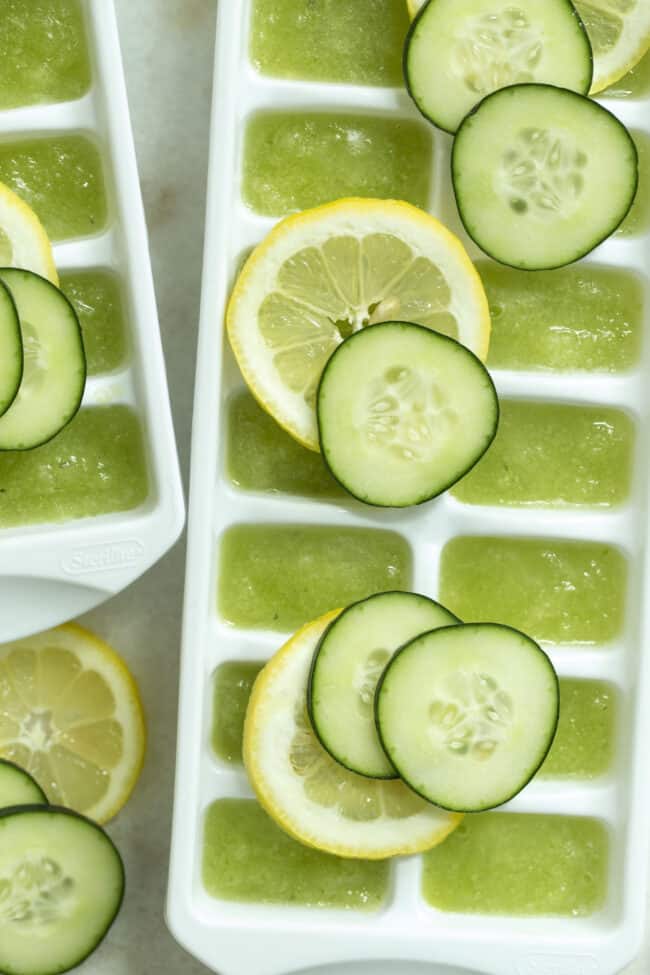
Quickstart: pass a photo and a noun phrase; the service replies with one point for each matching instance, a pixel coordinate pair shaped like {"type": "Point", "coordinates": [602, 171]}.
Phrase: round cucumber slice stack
{"type": "Point", "coordinates": [542, 175]}
{"type": "Point", "coordinates": [17, 787]}
{"type": "Point", "coordinates": [63, 883]}
{"type": "Point", "coordinates": [54, 374]}
{"type": "Point", "coordinates": [467, 714]}
{"type": "Point", "coordinates": [11, 350]}
{"type": "Point", "coordinates": [403, 413]}
{"type": "Point", "coordinates": [347, 665]}
{"type": "Point", "coordinates": [459, 51]}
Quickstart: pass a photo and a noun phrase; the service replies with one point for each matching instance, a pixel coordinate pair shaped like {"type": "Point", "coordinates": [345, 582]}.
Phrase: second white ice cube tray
{"type": "Point", "coordinates": [50, 573]}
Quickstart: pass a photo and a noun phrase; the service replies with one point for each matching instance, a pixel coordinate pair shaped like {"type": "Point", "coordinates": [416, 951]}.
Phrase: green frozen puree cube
{"type": "Point", "coordinates": [246, 857]}
{"type": "Point", "coordinates": [96, 465]}
{"type": "Point", "coordinates": [583, 317]}
{"type": "Point", "coordinates": [279, 577]}
{"type": "Point", "coordinates": [638, 219]}
{"type": "Point", "coordinates": [233, 683]}
{"type": "Point", "coordinates": [61, 178]}
{"type": "Point", "coordinates": [585, 741]}
{"type": "Point", "coordinates": [43, 52]}
{"type": "Point", "coordinates": [354, 41]}
{"type": "Point", "coordinates": [297, 160]}
{"type": "Point", "coordinates": [555, 591]}
{"type": "Point", "coordinates": [551, 455]}
{"type": "Point", "coordinates": [261, 456]}
{"type": "Point", "coordinates": [503, 863]}
{"type": "Point", "coordinates": [97, 299]}
{"type": "Point", "coordinates": [635, 84]}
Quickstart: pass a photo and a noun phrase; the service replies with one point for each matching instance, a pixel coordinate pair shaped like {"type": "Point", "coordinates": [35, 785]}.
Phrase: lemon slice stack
{"type": "Point", "coordinates": [313, 798]}
{"type": "Point", "coordinates": [323, 274]}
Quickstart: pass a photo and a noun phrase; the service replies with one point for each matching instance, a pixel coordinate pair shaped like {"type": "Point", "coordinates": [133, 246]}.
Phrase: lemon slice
{"type": "Point", "coordinates": [70, 715]}
{"type": "Point", "coordinates": [23, 241]}
{"type": "Point", "coordinates": [327, 272]}
{"type": "Point", "coordinates": [312, 797]}
{"type": "Point", "coordinates": [619, 31]}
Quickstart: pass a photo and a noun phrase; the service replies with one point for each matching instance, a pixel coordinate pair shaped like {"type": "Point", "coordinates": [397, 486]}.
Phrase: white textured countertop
{"type": "Point", "coordinates": [168, 49]}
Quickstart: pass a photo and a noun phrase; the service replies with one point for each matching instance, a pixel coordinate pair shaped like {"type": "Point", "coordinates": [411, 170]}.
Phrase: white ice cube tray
{"type": "Point", "coordinates": [50, 573]}
{"type": "Point", "coordinates": [250, 939]}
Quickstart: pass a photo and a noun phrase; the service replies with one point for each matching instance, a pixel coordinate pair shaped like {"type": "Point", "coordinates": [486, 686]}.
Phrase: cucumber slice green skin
{"type": "Point", "coordinates": [17, 787]}
{"type": "Point", "coordinates": [347, 664]}
{"type": "Point", "coordinates": [564, 52]}
{"type": "Point", "coordinates": [89, 881]}
{"type": "Point", "coordinates": [417, 369]}
{"type": "Point", "coordinates": [431, 713]}
{"type": "Point", "coordinates": [51, 392]}
{"type": "Point", "coordinates": [11, 350]}
{"type": "Point", "coordinates": [608, 182]}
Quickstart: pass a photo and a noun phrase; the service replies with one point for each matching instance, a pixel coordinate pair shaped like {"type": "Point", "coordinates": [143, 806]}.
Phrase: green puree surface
{"type": "Point", "coordinates": [354, 41]}
{"type": "Point", "coordinates": [552, 455]}
{"type": "Point", "coordinates": [43, 52]}
{"type": "Point", "coordinates": [61, 178]}
{"type": "Point", "coordinates": [246, 857]}
{"type": "Point", "coordinates": [585, 740]}
{"type": "Point", "coordinates": [233, 683]}
{"type": "Point", "coordinates": [293, 160]}
{"type": "Point", "coordinates": [498, 863]}
{"type": "Point", "coordinates": [278, 577]}
{"type": "Point", "coordinates": [97, 299]}
{"type": "Point", "coordinates": [556, 591]}
{"type": "Point", "coordinates": [96, 465]}
{"type": "Point", "coordinates": [261, 456]}
{"type": "Point", "coordinates": [583, 317]}
{"type": "Point", "coordinates": [638, 219]}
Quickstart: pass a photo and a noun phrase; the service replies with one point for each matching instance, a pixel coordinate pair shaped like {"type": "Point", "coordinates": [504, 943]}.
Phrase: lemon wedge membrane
{"type": "Point", "coordinates": [312, 797]}
{"type": "Point", "coordinates": [23, 240]}
{"type": "Point", "coordinates": [325, 273]}
{"type": "Point", "coordinates": [619, 31]}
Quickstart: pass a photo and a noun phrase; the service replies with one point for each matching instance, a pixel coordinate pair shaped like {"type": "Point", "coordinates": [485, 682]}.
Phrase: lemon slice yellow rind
{"type": "Point", "coordinates": [620, 37]}
{"type": "Point", "coordinates": [23, 240]}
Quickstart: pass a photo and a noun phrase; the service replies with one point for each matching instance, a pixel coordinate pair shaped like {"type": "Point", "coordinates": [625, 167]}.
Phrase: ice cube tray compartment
{"type": "Point", "coordinates": [51, 572]}
{"type": "Point", "coordinates": [261, 939]}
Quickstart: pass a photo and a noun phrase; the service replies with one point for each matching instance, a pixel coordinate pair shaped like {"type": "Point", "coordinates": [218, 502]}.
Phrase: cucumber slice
{"type": "Point", "coordinates": [17, 787]}
{"type": "Point", "coordinates": [62, 883]}
{"type": "Point", "coordinates": [542, 175]}
{"type": "Point", "coordinates": [11, 350]}
{"type": "Point", "coordinates": [467, 714]}
{"type": "Point", "coordinates": [459, 51]}
{"type": "Point", "coordinates": [54, 375]}
{"type": "Point", "coordinates": [348, 663]}
{"type": "Point", "coordinates": [403, 413]}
